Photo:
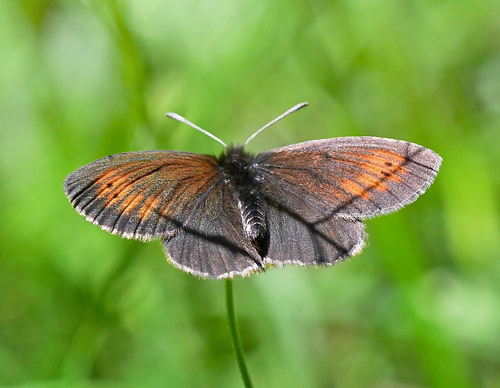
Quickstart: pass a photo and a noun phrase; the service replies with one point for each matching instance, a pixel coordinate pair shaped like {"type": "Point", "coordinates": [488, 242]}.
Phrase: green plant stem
{"type": "Point", "coordinates": [240, 358]}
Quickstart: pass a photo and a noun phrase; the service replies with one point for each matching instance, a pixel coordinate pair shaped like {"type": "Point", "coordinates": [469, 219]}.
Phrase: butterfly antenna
{"type": "Point", "coordinates": [177, 117]}
{"type": "Point", "coordinates": [289, 111]}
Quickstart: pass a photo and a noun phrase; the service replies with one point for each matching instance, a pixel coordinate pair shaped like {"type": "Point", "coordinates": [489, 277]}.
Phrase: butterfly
{"type": "Point", "coordinates": [240, 213]}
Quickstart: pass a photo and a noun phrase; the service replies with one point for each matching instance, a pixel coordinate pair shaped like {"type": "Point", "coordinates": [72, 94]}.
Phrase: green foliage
{"type": "Point", "coordinates": [83, 79]}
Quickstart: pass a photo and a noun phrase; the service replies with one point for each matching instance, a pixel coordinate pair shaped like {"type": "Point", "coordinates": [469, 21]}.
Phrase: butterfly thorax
{"type": "Point", "coordinates": [240, 174]}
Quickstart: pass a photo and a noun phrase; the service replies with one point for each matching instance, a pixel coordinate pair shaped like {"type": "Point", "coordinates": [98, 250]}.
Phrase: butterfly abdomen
{"type": "Point", "coordinates": [252, 212]}
{"type": "Point", "coordinates": [240, 175]}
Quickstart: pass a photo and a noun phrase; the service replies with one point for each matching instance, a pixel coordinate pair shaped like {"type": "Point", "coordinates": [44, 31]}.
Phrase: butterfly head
{"type": "Point", "coordinates": [236, 164]}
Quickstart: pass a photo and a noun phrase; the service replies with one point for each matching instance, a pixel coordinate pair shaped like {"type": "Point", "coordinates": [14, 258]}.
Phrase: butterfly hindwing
{"type": "Point", "coordinates": [296, 240]}
{"type": "Point", "coordinates": [212, 242]}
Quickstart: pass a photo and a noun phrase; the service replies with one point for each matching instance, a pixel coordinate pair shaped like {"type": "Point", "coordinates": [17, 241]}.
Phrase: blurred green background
{"type": "Point", "coordinates": [83, 79]}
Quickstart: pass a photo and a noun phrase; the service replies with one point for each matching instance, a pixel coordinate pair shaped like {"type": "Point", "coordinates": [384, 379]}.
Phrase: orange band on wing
{"type": "Point", "coordinates": [110, 182]}
{"type": "Point", "coordinates": [380, 167]}
{"type": "Point", "coordinates": [130, 203]}
{"type": "Point", "coordinates": [149, 206]}
{"type": "Point", "coordinates": [355, 189]}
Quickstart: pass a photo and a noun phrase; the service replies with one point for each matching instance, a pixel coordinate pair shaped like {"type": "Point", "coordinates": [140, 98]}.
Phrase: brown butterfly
{"type": "Point", "coordinates": [239, 213]}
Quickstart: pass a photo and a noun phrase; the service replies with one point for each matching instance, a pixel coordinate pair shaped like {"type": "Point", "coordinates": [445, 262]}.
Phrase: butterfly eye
{"type": "Point", "coordinates": [239, 166]}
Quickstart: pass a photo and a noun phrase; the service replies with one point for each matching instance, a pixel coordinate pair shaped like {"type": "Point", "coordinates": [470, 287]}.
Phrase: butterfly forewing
{"type": "Point", "coordinates": [141, 195]}
{"type": "Point", "coordinates": [356, 177]}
